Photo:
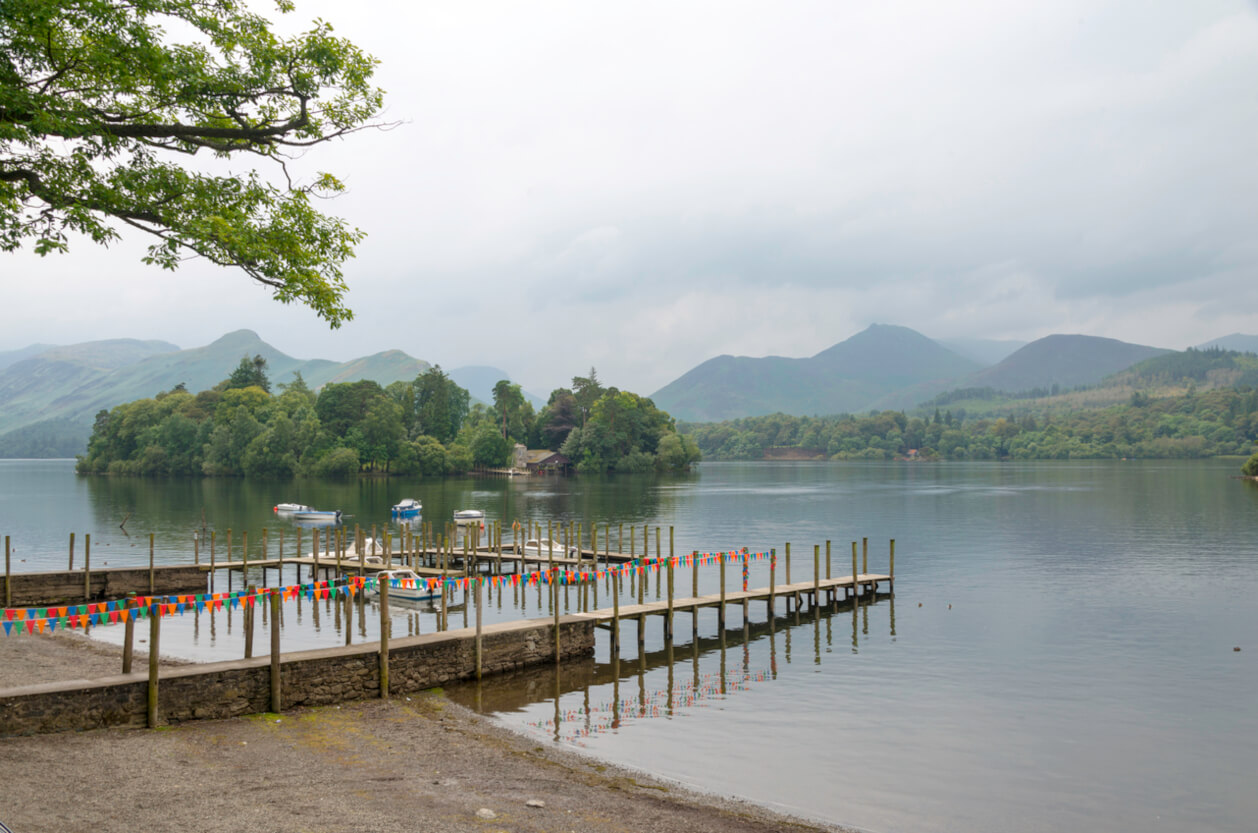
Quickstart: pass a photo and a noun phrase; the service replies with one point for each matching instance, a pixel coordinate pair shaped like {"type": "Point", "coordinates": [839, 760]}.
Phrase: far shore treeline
{"type": "Point", "coordinates": [1212, 423]}
{"type": "Point", "coordinates": [427, 427]}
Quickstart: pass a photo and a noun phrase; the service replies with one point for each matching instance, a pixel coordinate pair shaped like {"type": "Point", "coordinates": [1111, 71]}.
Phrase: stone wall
{"type": "Point", "coordinates": [67, 586]}
{"type": "Point", "coordinates": [309, 678]}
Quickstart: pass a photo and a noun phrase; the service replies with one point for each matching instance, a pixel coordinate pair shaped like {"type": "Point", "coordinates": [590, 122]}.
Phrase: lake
{"type": "Point", "coordinates": [1058, 654]}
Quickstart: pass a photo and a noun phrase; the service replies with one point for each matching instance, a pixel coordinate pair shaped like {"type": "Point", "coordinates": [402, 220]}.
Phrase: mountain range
{"type": "Point", "coordinates": [888, 367]}
{"type": "Point", "coordinates": [50, 394]}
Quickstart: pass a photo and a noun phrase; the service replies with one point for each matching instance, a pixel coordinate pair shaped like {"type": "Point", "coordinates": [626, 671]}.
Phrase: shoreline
{"type": "Point", "coordinates": [419, 762]}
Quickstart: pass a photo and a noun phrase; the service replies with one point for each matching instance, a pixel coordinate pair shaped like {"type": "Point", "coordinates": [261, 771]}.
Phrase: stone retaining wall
{"type": "Point", "coordinates": [309, 678]}
{"type": "Point", "coordinates": [66, 586]}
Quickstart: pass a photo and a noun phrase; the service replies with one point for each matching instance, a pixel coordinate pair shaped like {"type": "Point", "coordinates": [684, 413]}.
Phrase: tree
{"type": "Point", "coordinates": [440, 405]}
{"type": "Point", "coordinates": [250, 373]}
{"type": "Point", "coordinates": [1250, 469]}
{"type": "Point", "coordinates": [102, 104]}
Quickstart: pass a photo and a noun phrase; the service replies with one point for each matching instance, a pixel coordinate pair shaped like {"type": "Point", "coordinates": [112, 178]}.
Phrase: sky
{"type": "Point", "coordinates": [638, 187]}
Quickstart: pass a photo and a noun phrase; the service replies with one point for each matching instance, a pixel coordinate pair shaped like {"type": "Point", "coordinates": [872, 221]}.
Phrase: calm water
{"type": "Point", "coordinates": [1059, 653]}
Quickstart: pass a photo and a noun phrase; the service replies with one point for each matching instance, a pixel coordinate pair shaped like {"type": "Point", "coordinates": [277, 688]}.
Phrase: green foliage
{"type": "Point", "coordinates": [250, 373]}
{"type": "Point", "coordinates": [1250, 469]}
{"type": "Point", "coordinates": [101, 103]}
{"type": "Point", "coordinates": [440, 406]}
{"type": "Point", "coordinates": [1223, 421]}
{"type": "Point", "coordinates": [340, 463]}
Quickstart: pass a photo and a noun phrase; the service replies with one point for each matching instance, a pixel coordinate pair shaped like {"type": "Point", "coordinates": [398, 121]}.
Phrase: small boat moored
{"type": "Point", "coordinates": [544, 548]}
{"type": "Point", "coordinates": [331, 516]}
{"type": "Point", "coordinates": [409, 508]}
{"type": "Point", "coordinates": [404, 584]}
{"type": "Point", "coordinates": [290, 508]}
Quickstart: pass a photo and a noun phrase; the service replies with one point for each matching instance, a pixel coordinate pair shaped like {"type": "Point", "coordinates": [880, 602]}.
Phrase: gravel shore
{"type": "Point", "coordinates": [415, 763]}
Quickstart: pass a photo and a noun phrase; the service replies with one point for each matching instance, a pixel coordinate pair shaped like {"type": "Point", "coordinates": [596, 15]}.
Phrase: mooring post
{"type": "Point", "coordinates": [384, 637]}
{"type": "Point", "coordinates": [196, 548]}
{"type": "Point", "coordinates": [275, 649]}
{"type": "Point", "coordinates": [892, 570]}
{"type": "Point", "coordinates": [152, 577]}
{"type": "Point", "coordinates": [128, 633]}
{"type": "Point", "coordinates": [251, 594]}
{"type": "Point", "coordinates": [244, 555]}
{"type": "Point", "coordinates": [788, 562]}
{"type": "Point", "coordinates": [668, 620]}
{"type": "Point", "coordinates": [865, 556]}
{"type": "Point", "coordinates": [615, 611]}
{"type": "Point", "coordinates": [479, 647]}
{"type": "Point", "coordinates": [212, 534]}
{"type": "Point", "coordinates": [71, 567]}
{"type": "Point", "coordinates": [773, 567]}
{"type": "Point", "coordinates": [87, 563]}
{"type": "Point", "coordinates": [155, 629]}
{"type": "Point", "coordinates": [8, 575]}
{"type": "Point", "coordinates": [620, 538]}
{"type": "Point", "coordinates": [816, 575]}
{"type": "Point", "coordinates": [554, 591]}
{"type": "Point", "coordinates": [350, 591]}
{"type": "Point", "coordinates": [720, 617]}
{"type": "Point", "coordinates": [853, 569]}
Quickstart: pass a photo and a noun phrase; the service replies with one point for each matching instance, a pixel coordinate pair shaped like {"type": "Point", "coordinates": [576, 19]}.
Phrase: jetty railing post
{"type": "Point", "coordinates": [87, 563]}
{"type": "Point", "coordinates": [8, 575]}
{"type": "Point", "coordinates": [554, 595]}
{"type": "Point", "coordinates": [244, 554]}
{"type": "Point", "coordinates": [615, 611]}
{"type": "Point", "coordinates": [250, 598]}
{"type": "Point", "coordinates": [212, 535]}
{"type": "Point", "coordinates": [720, 616]}
{"type": "Point", "coordinates": [773, 567]}
{"type": "Point", "coordinates": [816, 575]}
{"type": "Point", "coordinates": [865, 556]}
{"type": "Point", "coordinates": [280, 571]}
{"type": "Point", "coordinates": [668, 620]}
{"type": "Point", "coordinates": [853, 569]}
{"type": "Point", "coordinates": [71, 567]}
{"type": "Point", "coordinates": [384, 637]}
{"type": "Point", "coordinates": [196, 548]}
{"type": "Point", "coordinates": [128, 631]}
{"type": "Point", "coordinates": [788, 562]}
{"type": "Point", "coordinates": [620, 538]}
{"type": "Point", "coordinates": [827, 558]}
{"type": "Point", "coordinates": [892, 570]}
{"type": "Point", "coordinates": [155, 630]}
{"type": "Point", "coordinates": [275, 649]}
{"type": "Point", "coordinates": [152, 577]}
{"type": "Point", "coordinates": [479, 647]}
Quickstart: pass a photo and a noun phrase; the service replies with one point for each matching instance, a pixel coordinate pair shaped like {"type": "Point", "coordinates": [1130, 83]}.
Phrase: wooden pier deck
{"type": "Point", "coordinates": [818, 592]}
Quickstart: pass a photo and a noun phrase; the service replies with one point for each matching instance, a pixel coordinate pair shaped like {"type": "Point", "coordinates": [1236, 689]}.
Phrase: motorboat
{"type": "Point", "coordinates": [405, 585]}
{"type": "Point", "coordinates": [409, 508]}
{"type": "Point", "coordinates": [544, 548]}
{"type": "Point", "coordinates": [330, 516]}
{"type": "Point", "coordinates": [469, 517]}
{"type": "Point", "coordinates": [290, 508]}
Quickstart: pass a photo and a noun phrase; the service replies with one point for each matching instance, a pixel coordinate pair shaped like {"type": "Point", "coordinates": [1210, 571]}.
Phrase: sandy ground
{"type": "Point", "coordinates": [417, 763]}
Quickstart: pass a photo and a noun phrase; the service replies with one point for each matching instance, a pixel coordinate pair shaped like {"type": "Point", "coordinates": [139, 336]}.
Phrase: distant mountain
{"type": "Point", "coordinates": [8, 357]}
{"type": "Point", "coordinates": [985, 351]}
{"type": "Point", "coordinates": [1236, 341]}
{"type": "Point", "coordinates": [479, 380]}
{"type": "Point", "coordinates": [849, 377]}
{"type": "Point", "coordinates": [1063, 360]}
{"type": "Point", "coordinates": [66, 386]}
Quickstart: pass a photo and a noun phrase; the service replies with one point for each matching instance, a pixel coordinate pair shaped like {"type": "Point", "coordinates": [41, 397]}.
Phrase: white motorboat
{"type": "Point", "coordinates": [544, 548]}
{"type": "Point", "coordinates": [405, 585]}
{"type": "Point", "coordinates": [330, 516]}
{"type": "Point", "coordinates": [468, 517]}
{"type": "Point", "coordinates": [290, 508]}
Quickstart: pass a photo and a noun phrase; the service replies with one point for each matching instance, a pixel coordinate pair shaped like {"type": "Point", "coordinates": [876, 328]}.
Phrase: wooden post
{"type": "Point", "coordinates": [816, 575]}
{"type": "Point", "coordinates": [87, 563]}
{"type": "Point", "coordinates": [554, 596]}
{"type": "Point", "coordinates": [620, 538]}
{"type": "Point", "coordinates": [384, 638]}
{"type": "Point", "coordinates": [349, 614]}
{"type": "Point", "coordinates": [773, 567]}
{"type": "Point", "coordinates": [244, 554]}
{"type": "Point", "coordinates": [853, 569]}
{"type": "Point", "coordinates": [250, 599]}
{"type": "Point", "coordinates": [212, 535]}
{"type": "Point", "coordinates": [8, 575]}
{"type": "Point", "coordinates": [788, 562]}
{"type": "Point", "coordinates": [154, 634]}
{"type": "Point", "coordinates": [827, 558]}
{"type": "Point", "coordinates": [275, 648]}
{"type": "Point", "coordinates": [71, 551]}
{"type": "Point", "coordinates": [668, 621]}
{"type": "Point", "coordinates": [196, 548]}
{"type": "Point", "coordinates": [128, 631]}
{"type": "Point", "coordinates": [152, 577]}
{"type": "Point", "coordinates": [633, 545]}
{"type": "Point", "coordinates": [892, 570]}
{"type": "Point", "coordinates": [720, 617]}
{"type": "Point", "coordinates": [865, 555]}
{"type": "Point", "coordinates": [479, 647]}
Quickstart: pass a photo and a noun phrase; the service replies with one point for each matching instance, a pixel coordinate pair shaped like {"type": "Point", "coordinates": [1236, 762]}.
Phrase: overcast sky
{"type": "Point", "coordinates": [641, 186]}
